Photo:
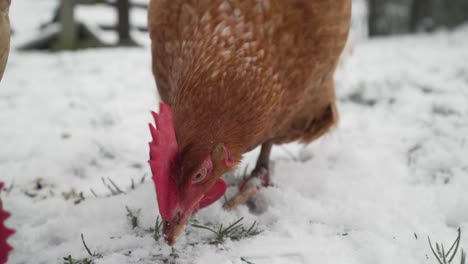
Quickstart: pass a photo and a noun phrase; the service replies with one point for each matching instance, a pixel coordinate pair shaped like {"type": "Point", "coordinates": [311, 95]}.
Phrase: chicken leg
{"type": "Point", "coordinates": [259, 177]}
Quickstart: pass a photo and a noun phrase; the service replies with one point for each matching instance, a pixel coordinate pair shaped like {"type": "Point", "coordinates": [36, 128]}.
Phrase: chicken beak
{"type": "Point", "coordinates": [172, 229]}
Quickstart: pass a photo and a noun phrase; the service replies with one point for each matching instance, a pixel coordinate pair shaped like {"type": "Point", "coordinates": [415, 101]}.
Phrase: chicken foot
{"type": "Point", "coordinates": [259, 177]}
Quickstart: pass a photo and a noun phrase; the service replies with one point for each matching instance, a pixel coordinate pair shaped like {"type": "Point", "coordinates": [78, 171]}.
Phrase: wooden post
{"type": "Point", "coordinates": [415, 14]}
{"type": "Point", "coordinates": [123, 27]}
{"type": "Point", "coordinates": [455, 13]}
{"type": "Point", "coordinates": [67, 36]}
{"type": "Point", "coordinates": [373, 17]}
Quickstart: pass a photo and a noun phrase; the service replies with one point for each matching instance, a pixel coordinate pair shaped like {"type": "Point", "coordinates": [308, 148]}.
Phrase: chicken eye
{"type": "Point", "coordinates": [199, 176]}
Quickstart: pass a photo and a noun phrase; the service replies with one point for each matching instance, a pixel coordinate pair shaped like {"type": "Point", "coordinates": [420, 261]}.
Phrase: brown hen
{"type": "Point", "coordinates": [239, 74]}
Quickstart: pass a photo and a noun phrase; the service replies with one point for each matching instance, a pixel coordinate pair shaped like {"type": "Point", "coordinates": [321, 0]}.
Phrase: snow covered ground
{"type": "Point", "coordinates": [393, 173]}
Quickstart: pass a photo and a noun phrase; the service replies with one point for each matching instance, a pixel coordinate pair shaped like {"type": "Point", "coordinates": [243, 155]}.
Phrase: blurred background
{"type": "Point", "coordinates": [72, 24]}
{"type": "Point", "coordinates": [76, 24]}
{"type": "Point", "coordinates": [74, 109]}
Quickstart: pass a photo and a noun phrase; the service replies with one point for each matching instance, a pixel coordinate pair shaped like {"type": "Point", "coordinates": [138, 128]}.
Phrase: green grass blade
{"type": "Point", "coordinates": [205, 227]}
{"type": "Point", "coordinates": [433, 251]}
{"type": "Point", "coordinates": [251, 227]}
{"type": "Point", "coordinates": [455, 244]}
{"type": "Point", "coordinates": [233, 224]}
{"type": "Point", "coordinates": [246, 261]}
{"type": "Point", "coordinates": [444, 258]}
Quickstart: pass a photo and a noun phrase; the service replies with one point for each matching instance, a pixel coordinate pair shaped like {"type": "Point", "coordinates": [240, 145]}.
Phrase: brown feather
{"type": "Point", "coordinates": [244, 72]}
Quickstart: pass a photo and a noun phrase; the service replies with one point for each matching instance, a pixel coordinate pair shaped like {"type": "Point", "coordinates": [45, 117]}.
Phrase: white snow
{"type": "Point", "coordinates": [395, 167]}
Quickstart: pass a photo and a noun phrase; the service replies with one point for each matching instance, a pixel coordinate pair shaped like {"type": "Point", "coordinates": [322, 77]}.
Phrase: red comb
{"type": "Point", "coordinates": [163, 154]}
{"type": "Point", "coordinates": [4, 234]}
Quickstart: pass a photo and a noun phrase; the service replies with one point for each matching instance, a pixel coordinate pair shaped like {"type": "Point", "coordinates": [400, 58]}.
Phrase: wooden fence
{"type": "Point", "coordinates": [64, 32]}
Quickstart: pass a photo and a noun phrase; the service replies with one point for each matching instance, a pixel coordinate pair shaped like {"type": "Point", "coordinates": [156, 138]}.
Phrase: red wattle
{"type": "Point", "coordinates": [216, 192]}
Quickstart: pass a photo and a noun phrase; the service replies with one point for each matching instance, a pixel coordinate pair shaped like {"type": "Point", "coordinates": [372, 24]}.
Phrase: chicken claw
{"type": "Point", "coordinates": [248, 188]}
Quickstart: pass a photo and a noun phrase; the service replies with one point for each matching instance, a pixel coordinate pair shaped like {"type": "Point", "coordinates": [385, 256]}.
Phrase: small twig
{"type": "Point", "coordinates": [95, 195]}
{"type": "Point", "coordinates": [157, 229]}
{"type": "Point", "coordinates": [143, 179]}
{"type": "Point", "coordinates": [8, 189]}
{"type": "Point", "coordinates": [80, 199]}
{"type": "Point", "coordinates": [30, 195]}
{"type": "Point", "coordinates": [115, 185]}
{"type": "Point", "coordinates": [70, 260]}
{"type": "Point", "coordinates": [246, 261]}
{"type": "Point", "coordinates": [113, 192]}
{"type": "Point", "coordinates": [132, 217]}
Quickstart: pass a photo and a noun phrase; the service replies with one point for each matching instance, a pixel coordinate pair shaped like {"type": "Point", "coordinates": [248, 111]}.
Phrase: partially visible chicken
{"type": "Point", "coordinates": [4, 34]}
{"type": "Point", "coordinates": [237, 74]}
{"type": "Point", "coordinates": [4, 233]}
